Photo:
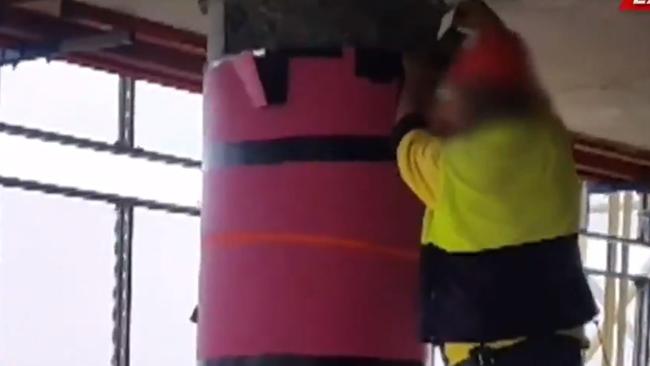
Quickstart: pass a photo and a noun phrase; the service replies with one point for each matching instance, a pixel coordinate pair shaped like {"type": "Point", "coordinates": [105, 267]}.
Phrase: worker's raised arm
{"type": "Point", "coordinates": [417, 150]}
{"type": "Point", "coordinates": [418, 155]}
{"type": "Point", "coordinates": [417, 143]}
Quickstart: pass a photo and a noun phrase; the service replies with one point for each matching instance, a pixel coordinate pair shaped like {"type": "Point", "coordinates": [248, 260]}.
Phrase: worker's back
{"type": "Point", "coordinates": [505, 183]}
{"type": "Point", "coordinates": [500, 254]}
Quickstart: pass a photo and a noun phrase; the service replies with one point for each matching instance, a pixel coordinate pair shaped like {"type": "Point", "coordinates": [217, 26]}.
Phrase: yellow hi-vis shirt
{"type": "Point", "coordinates": [503, 184]}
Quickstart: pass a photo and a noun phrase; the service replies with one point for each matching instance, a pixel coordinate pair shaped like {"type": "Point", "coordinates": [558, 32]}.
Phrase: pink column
{"type": "Point", "coordinates": [307, 257]}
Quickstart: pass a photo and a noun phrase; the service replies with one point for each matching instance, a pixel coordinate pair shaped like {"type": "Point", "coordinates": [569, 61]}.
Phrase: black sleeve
{"type": "Point", "coordinates": [408, 123]}
{"type": "Point", "coordinates": [194, 318]}
{"type": "Point", "coordinates": [448, 45]}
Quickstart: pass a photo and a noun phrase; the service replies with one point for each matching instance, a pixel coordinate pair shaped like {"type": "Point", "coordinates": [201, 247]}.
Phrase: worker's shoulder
{"type": "Point", "coordinates": [505, 132]}
{"type": "Point", "coordinates": [526, 130]}
{"type": "Point", "coordinates": [507, 144]}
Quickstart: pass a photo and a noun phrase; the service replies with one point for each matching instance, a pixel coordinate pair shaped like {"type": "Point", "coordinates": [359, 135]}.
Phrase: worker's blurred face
{"type": "Point", "coordinates": [449, 113]}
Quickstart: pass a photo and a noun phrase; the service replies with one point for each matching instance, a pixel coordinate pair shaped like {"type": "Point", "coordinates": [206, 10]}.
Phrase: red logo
{"type": "Point", "coordinates": [635, 5]}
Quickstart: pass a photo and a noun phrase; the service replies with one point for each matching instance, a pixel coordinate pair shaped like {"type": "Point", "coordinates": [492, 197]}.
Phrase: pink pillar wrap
{"type": "Point", "coordinates": [313, 259]}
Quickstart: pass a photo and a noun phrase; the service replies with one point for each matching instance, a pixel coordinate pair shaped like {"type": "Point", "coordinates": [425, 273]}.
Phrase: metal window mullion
{"type": "Point", "coordinates": [126, 126]}
{"type": "Point", "coordinates": [123, 235]}
{"type": "Point", "coordinates": [641, 350]}
{"type": "Point", "coordinates": [644, 218]}
{"type": "Point", "coordinates": [623, 284]}
{"type": "Point", "coordinates": [122, 291]}
{"type": "Point", "coordinates": [584, 220]}
{"type": "Point", "coordinates": [610, 283]}
{"type": "Point", "coordinates": [94, 145]}
{"type": "Point", "coordinates": [72, 192]}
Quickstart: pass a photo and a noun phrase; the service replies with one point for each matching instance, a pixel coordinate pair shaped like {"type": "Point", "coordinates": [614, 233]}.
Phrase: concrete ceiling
{"type": "Point", "coordinates": [594, 59]}
{"type": "Point", "coordinates": [184, 14]}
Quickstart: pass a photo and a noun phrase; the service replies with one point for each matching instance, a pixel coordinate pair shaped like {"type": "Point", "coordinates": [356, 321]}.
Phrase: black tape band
{"type": "Point", "coordinates": [273, 72]}
{"type": "Point", "coordinates": [289, 360]}
{"type": "Point", "coordinates": [273, 69]}
{"type": "Point", "coordinates": [302, 149]}
{"type": "Point", "coordinates": [379, 66]}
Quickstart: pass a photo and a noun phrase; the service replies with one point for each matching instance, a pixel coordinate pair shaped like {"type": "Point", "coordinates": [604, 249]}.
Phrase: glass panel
{"type": "Point", "coordinates": [639, 262]}
{"type": "Point", "coordinates": [165, 288]}
{"type": "Point", "coordinates": [60, 97]}
{"type": "Point", "coordinates": [103, 172]}
{"type": "Point", "coordinates": [168, 120]}
{"type": "Point", "coordinates": [596, 254]}
{"type": "Point", "coordinates": [56, 280]}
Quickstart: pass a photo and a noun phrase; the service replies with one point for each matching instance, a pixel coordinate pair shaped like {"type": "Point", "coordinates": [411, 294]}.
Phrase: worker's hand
{"type": "Point", "coordinates": [416, 67]}
{"type": "Point", "coordinates": [473, 15]}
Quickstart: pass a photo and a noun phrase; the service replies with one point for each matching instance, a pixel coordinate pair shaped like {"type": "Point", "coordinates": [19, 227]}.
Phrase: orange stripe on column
{"type": "Point", "coordinates": [304, 240]}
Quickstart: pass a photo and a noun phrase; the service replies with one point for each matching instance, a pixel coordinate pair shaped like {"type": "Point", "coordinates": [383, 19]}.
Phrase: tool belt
{"type": "Point", "coordinates": [548, 350]}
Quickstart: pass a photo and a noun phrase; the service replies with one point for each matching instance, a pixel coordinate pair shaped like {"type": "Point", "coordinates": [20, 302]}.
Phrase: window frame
{"type": "Point", "coordinates": [124, 205]}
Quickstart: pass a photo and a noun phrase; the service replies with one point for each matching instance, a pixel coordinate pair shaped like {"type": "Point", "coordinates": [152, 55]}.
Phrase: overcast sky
{"type": "Point", "coordinates": [56, 254]}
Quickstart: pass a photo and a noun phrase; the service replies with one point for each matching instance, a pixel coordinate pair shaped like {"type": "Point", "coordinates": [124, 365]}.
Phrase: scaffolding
{"type": "Point", "coordinates": [617, 340]}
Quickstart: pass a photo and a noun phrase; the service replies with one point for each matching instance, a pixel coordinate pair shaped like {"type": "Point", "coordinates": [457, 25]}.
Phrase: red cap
{"type": "Point", "coordinates": [493, 58]}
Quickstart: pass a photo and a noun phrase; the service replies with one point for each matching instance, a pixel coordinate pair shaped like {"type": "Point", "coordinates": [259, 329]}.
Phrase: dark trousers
{"type": "Point", "coordinates": [549, 351]}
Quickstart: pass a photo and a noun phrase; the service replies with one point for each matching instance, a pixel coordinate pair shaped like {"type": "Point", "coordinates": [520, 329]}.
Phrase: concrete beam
{"type": "Point", "coordinates": [291, 24]}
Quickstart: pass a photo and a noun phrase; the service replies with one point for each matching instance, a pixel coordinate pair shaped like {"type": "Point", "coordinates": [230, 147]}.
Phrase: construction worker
{"type": "Point", "coordinates": [502, 276]}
